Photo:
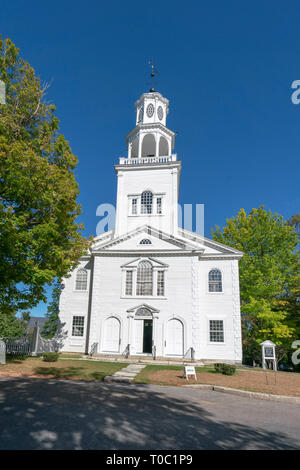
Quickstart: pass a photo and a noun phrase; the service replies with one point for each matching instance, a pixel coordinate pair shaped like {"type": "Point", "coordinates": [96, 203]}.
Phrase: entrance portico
{"type": "Point", "coordinates": [142, 329]}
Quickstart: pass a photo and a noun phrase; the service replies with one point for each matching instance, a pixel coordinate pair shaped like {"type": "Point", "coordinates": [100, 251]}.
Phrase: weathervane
{"type": "Point", "coordinates": [154, 72]}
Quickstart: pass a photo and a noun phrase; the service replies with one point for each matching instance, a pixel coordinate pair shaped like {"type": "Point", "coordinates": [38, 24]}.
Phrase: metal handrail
{"type": "Point", "coordinates": [190, 350]}
{"type": "Point", "coordinates": [94, 348]}
{"type": "Point", "coordinates": [126, 352]}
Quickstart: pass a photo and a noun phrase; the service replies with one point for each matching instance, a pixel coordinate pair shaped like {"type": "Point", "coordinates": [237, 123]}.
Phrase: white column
{"type": "Point", "coordinates": [157, 136]}
{"type": "Point", "coordinates": [130, 317]}
{"type": "Point", "coordinates": [154, 285]}
{"type": "Point", "coordinates": [154, 331]}
{"type": "Point", "coordinates": [140, 146]}
{"type": "Point", "coordinates": [134, 277]}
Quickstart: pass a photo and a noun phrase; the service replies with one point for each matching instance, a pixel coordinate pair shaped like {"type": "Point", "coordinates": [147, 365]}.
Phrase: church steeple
{"type": "Point", "coordinates": [148, 178]}
{"type": "Point", "coordinates": [151, 138]}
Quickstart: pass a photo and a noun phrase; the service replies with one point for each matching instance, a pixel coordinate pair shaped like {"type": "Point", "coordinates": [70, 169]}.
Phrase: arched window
{"type": "Point", "coordinates": [145, 241]}
{"type": "Point", "coordinates": [148, 146]}
{"type": "Point", "coordinates": [146, 202]}
{"type": "Point", "coordinates": [144, 278]}
{"type": "Point", "coordinates": [215, 280]}
{"type": "Point", "coordinates": [81, 279]}
{"type": "Point", "coordinates": [163, 147]}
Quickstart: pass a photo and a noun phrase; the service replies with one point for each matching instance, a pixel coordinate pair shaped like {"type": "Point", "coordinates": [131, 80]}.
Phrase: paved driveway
{"type": "Point", "coordinates": [52, 414]}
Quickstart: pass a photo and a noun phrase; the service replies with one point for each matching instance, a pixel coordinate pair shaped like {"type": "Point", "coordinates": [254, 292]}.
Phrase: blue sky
{"type": "Point", "coordinates": [226, 67]}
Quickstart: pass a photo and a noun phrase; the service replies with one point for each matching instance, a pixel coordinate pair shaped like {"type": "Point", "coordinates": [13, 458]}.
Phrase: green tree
{"type": "Point", "coordinates": [294, 221]}
{"type": "Point", "coordinates": [51, 324]}
{"type": "Point", "coordinates": [39, 237]}
{"type": "Point", "coordinates": [11, 327]}
{"type": "Point", "coordinates": [269, 278]}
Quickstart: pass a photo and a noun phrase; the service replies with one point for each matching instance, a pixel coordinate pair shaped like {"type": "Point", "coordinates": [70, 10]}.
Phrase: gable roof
{"type": "Point", "coordinates": [185, 242]}
{"type": "Point", "coordinates": [175, 243]}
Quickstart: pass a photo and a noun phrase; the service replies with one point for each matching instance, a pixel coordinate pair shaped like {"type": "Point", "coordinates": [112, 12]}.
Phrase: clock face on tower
{"type": "Point", "coordinates": [150, 110]}
{"type": "Point", "coordinates": [160, 113]}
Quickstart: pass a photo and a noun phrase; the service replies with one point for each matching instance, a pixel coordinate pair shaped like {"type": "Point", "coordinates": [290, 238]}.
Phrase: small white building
{"type": "Point", "coordinates": [149, 286]}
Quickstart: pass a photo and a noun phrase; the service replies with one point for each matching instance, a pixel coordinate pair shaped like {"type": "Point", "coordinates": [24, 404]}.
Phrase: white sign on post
{"type": "Point", "coordinates": [190, 370]}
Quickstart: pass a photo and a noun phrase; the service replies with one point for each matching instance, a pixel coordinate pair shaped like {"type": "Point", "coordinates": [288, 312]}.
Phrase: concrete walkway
{"type": "Point", "coordinates": [125, 375]}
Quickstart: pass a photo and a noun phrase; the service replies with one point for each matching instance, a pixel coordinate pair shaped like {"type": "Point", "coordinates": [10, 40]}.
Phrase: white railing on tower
{"type": "Point", "coordinates": [148, 160]}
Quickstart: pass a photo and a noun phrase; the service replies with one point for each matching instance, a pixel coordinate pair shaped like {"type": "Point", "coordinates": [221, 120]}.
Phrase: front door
{"type": "Point", "coordinates": [147, 338]}
{"type": "Point", "coordinates": [111, 337]}
{"type": "Point", "coordinates": [174, 341]}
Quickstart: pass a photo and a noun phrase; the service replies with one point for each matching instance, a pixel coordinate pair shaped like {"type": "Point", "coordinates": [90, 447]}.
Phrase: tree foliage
{"type": "Point", "coordinates": [51, 324]}
{"type": "Point", "coordinates": [11, 327]}
{"type": "Point", "coordinates": [39, 236]}
{"type": "Point", "coordinates": [269, 277]}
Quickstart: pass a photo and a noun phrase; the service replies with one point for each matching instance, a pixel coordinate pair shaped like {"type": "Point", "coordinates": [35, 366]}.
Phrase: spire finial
{"type": "Point", "coordinates": [154, 72]}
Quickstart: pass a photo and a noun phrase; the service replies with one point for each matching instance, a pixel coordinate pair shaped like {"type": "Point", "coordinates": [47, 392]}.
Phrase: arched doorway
{"type": "Point", "coordinates": [111, 335]}
{"type": "Point", "coordinates": [174, 338]}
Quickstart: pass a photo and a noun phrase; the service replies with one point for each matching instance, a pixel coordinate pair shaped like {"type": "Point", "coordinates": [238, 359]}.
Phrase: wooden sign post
{"type": "Point", "coordinates": [2, 352]}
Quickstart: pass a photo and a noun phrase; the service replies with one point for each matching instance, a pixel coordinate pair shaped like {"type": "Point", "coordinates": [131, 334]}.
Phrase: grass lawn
{"type": "Point", "coordinates": [279, 383]}
{"type": "Point", "coordinates": [20, 366]}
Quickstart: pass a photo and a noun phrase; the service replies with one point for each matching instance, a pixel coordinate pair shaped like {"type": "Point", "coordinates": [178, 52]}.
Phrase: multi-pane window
{"type": "Point", "coordinates": [81, 279]}
{"type": "Point", "coordinates": [216, 331]}
{"type": "Point", "coordinates": [146, 202]}
{"type": "Point", "coordinates": [160, 283]}
{"type": "Point", "coordinates": [134, 206]}
{"type": "Point", "coordinates": [78, 326]}
{"type": "Point", "coordinates": [215, 281]}
{"type": "Point", "coordinates": [128, 288]}
{"type": "Point", "coordinates": [144, 278]}
{"type": "Point", "coordinates": [145, 241]}
{"type": "Point", "coordinates": [158, 205]}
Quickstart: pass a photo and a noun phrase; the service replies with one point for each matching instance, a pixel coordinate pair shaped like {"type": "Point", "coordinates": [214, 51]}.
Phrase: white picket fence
{"type": "Point", "coordinates": [34, 344]}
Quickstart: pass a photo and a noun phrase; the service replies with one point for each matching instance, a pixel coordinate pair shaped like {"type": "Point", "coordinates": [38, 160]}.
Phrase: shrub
{"type": "Point", "coordinates": [225, 369]}
{"type": "Point", "coordinates": [50, 356]}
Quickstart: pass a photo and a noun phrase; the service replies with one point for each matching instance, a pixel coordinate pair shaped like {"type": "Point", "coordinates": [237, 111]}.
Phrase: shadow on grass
{"type": "Point", "coordinates": [15, 359]}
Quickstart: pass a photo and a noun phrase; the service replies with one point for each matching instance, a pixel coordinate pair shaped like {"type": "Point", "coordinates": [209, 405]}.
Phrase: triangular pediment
{"type": "Point", "coordinates": [144, 239]}
{"type": "Point", "coordinates": [155, 263]}
{"type": "Point", "coordinates": [155, 241]}
{"type": "Point", "coordinates": [143, 306]}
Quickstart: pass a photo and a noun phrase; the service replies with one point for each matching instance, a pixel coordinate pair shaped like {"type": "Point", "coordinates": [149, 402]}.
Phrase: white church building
{"type": "Point", "coordinates": [150, 287]}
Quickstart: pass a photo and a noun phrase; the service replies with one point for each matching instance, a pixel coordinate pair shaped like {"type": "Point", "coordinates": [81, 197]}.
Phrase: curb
{"type": "Point", "coordinates": [246, 393]}
{"type": "Point", "coordinates": [110, 378]}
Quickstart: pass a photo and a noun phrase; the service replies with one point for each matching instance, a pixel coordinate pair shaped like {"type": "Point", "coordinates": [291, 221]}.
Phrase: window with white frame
{"type": "Point", "coordinates": [144, 283]}
{"type": "Point", "coordinates": [216, 331]}
{"type": "Point", "coordinates": [78, 326]}
{"type": "Point", "coordinates": [145, 278]}
{"type": "Point", "coordinates": [146, 202]}
{"type": "Point", "coordinates": [159, 205]}
{"type": "Point", "coordinates": [128, 286]}
{"type": "Point", "coordinates": [134, 206]}
{"type": "Point", "coordinates": [160, 283]}
{"type": "Point", "coordinates": [215, 280]}
{"type": "Point", "coordinates": [81, 279]}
